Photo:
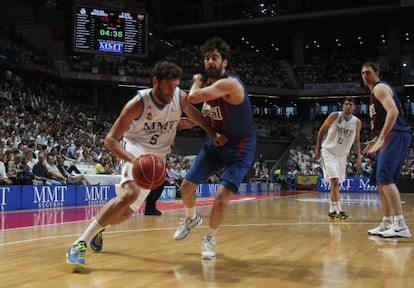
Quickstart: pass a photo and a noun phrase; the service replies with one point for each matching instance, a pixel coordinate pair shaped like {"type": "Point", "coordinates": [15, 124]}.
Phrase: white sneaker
{"type": "Point", "coordinates": [384, 225]}
{"type": "Point", "coordinates": [396, 231]}
{"type": "Point", "coordinates": [208, 249]}
{"type": "Point", "coordinates": [185, 227]}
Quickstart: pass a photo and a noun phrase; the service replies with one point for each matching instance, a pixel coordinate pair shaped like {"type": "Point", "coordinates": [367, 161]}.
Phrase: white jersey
{"type": "Point", "coordinates": [341, 135]}
{"type": "Point", "coordinates": [155, 129]}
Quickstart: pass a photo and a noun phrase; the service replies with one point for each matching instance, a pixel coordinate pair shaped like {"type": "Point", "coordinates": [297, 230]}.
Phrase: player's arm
{"type": "Point", "coordinates": [197, 118]}
{"type": "Point", "coordinates": [384, 95]}
{"type": "Point", "coordinates": [322, 131]}
{"type": "Point", "coordinates": [228, 88]}
{"type": "Point", "coordinates": [357, 145]}
{"type": "Point", "coordinates": [132, 110]}
{"type": "Point", "coordinates": [186, 123]}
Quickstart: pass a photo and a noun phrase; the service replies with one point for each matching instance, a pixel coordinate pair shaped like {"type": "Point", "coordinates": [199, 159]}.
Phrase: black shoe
{"type": "Point", "coordinates": [342, 216]}
{"type": "Point", "coordinates": [155, 212]}
{"type": "Point", "coordinates": [332, 216]}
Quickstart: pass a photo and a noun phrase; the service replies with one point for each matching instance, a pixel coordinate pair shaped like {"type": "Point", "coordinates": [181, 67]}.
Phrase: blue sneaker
{"type": "Point", "coordinates": [96, 243]}
{"type": "Point", "coordinates": [75, 255]}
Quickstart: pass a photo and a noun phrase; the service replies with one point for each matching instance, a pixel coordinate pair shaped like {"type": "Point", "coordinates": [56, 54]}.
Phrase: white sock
{"type": "Point", "coordinates": [190, 213]}
{"type": "Point", "coordinates": [93, 229]}
{"type": "Point", "coordinates": [399, 220]}
{"type": "Point", "coordinates": [332, 207]}
{"type": "Point", "coordinates": [338, 207]}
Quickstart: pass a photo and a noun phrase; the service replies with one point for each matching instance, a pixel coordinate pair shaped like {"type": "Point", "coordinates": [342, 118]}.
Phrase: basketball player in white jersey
{"type": "Point", "coordinates": [146, 124]}
{"type": "Point", "coordinates": [338, 133]}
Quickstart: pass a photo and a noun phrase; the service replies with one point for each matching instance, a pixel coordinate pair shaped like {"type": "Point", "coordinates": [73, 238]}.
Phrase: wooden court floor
{"type": "Point", "coordinates": [274, 242]}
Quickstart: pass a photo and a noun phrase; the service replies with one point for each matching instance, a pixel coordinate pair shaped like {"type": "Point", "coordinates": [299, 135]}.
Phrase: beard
{"type": "Point", "coordinates": [164, 100]}
{"type": "Point", "coordinates": [214, 73]}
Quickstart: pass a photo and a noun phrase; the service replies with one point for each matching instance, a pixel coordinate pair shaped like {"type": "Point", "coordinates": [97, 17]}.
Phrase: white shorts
{"type": "Point", "coordinates": [126, 175]}
{"type": "Point", "coordinates": [333, 166]}
{"type": "Point", "coordinates": [126, 172]}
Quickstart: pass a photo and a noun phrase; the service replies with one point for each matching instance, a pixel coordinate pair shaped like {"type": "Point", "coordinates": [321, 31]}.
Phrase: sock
{"type": "Point", "coordinates": [190, 213]}
{"type": "Point", "coordinates": [211, 233]}
{"type": "Point", "coordinates": [387, 220]}
{"type": "Point", "coordinates": [338, 207]}
{"type": "Point", "coordinates": [93, 229]}
{"type": "Point", "coordinates": [399, 220]}
{"type": "Point", "coordinates": [332, 206]}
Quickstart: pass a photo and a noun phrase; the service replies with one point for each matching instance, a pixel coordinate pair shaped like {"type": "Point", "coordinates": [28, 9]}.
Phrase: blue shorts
{"type": "Point", "coordinates": [234, 158]}
{"type": "Point", "coordinates": [390, 158]}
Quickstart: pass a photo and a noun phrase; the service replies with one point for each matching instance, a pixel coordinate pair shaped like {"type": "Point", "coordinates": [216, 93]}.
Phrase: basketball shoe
{"type": "Point", "coordinates": [208, 249]}
{"type": "Point", "coordinates": [397, 229]}
{"type": "Point", "coordinates": [96, 243]}
{"type": "Point", "coordinates": [332, 216]}
{"type": "Point", "coordinates": [384, 225]}
{"type": "Point", "coordinates": [342, 216]}
{"type": "Point", "coordinates": [75, 255]}
{"type": "Point", "coordinates": [185, 227]}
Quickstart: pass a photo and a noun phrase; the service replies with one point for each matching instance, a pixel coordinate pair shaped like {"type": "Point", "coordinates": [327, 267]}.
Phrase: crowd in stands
{"type": "Point", "coordinates": [44, 122]}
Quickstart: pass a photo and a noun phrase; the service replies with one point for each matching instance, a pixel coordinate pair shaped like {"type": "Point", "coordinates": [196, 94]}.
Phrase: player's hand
{"type": "Point", "coordinates": [357, 163]}
{"type": "Point", "coordinates": [220, 139]}
{"type": "Point", "coordinates": [372, 146]}
{"type": "Point", "coordinates": [317, 154]}
{"type": "Point", "coordinates": [198, 78]}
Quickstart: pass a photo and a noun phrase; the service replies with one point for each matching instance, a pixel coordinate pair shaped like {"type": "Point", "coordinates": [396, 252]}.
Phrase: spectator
{"type": "Point", "coordinates": [54, 170]}
{"type": "Point", "coordinates": [105, 166]}
{"type": "Point", "coordinates": [4, 179]}
{"type": "Point", "coordinates": [41, 172]}
{"type": "Point", "coordinates": [78, 179]}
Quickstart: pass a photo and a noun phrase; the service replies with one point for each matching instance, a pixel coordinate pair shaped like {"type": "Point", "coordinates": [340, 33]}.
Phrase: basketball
{"type": "Point", "coordinates": [149, 171]}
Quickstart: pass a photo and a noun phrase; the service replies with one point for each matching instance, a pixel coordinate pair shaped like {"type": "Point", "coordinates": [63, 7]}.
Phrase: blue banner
{"type": "Point", "coordinates": [60, 196]}
{"type": "Point", "coordinates": [10, 198]}
{"type": "Point", "coordinates": [350, 184]}
{"type": "Point", "coordinates": [94, 195]}
{"type": "Point", "coordinates": [47, 196]}
{"type": "Point", "coordinates": [168, 193]}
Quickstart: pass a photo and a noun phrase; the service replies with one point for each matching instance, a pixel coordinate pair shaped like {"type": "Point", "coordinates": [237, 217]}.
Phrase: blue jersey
{"type": "Point", "coordinates": [377, 113]}
{"type": "Point", "coordinates": [235, 121]}
{"type": "Point", "coordinates": [391, 156]}
{"type": "Point", "coordinates": [232, 160]}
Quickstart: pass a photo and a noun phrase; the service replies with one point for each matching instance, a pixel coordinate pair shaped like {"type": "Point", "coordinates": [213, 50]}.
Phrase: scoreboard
{"type": "Point", "coordinates": [101, 30]}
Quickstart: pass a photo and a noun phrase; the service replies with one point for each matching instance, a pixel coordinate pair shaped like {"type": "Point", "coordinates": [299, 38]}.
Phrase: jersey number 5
{"type": "Point", "coordinates": [154, 139]}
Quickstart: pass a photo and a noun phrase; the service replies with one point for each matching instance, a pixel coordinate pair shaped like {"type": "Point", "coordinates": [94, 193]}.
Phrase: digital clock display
{"type": "Point", "coordinates": [110, 31]}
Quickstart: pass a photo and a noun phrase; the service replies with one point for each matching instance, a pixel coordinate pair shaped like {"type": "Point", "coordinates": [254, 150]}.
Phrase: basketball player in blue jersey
{"type": "Point", "coordinates": [227, 106]}
{"type": "Point", "coordinates": [146, 124]}
{"type": "Point", "coordinates": [391, 141]}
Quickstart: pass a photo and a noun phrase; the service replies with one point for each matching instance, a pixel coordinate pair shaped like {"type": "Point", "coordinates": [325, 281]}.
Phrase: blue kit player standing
{"type": "Point", "coordinates": [227, 106]}
{"type": "Point", "coordinates": [392, 139]}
